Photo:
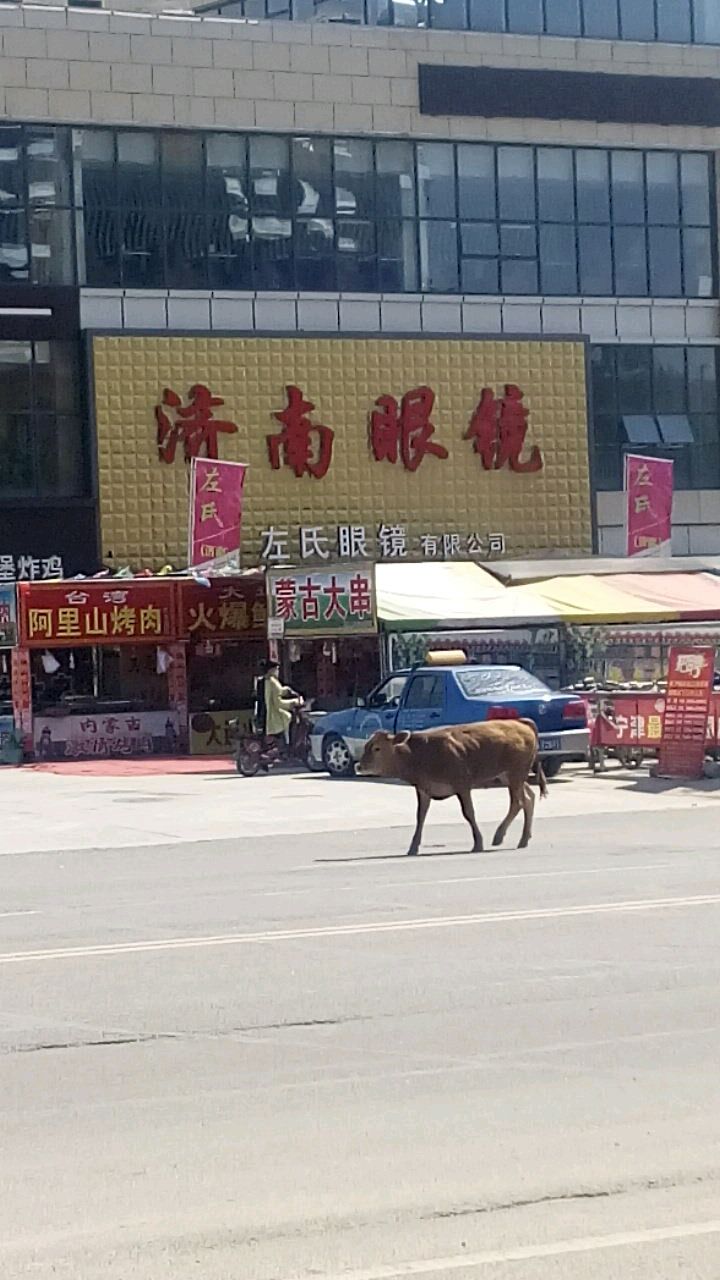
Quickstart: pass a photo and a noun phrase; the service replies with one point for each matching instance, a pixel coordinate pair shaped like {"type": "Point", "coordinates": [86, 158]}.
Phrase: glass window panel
{"type": "Point", "coordinates": [99, 241]}
{"type": "Point", "coordinates": [633, 380]}
{"type": "Point", "coordinates": [518, 241]}
{"type": "Point", "coordinates": [13, 246]}
{"type": "Point", "coordinates": [556, 188]}
{"type": "Point", "coordinates": [558, 270]}
{"type": "Point", "coordinates": [593, 186]}
{"type": "Point", "coordinates": [52, 248]}
{"type": "Point", "coordinates": [138, 169]}
{"type": "Point", "coordinates": [562, 17]}
{"type": "Point", "coordinates": [664, 256]}
{"type": "Point", "coordinates": [628, 188]}
{"type": "Point", "coordinates": [448, 15]}
{"type": "Point", "coordinates": [705, 467]}
{"type": "Point", "coordinates": [15, 386]}
{"type": "Point", "coordinates": [600, 19]}
{"type": "Point", "coordinates": [141, 235]}
{"type": "Point", "coordinates": [476, 181]}
{"type": "Point", "coordinates": [55, 377]}
{"type": "Point", "coordinates": [356, 256]}
{"type": "Point", "coordinates": [480, 275]}
{"type": "Point", "coordinates": [673, 21]}
{"type": "Point", "coordinates": [438, 257]}
{"type": "Point", "coordinates": [228, 241]}
{"type": "Point", "coordinates": [519, 276]}
{"type": "Point", "coordinates": [637, 19]}
{"type": "Point", "coordinates": [12, 186]}
{"type": "Point", "coordinates": [487, 15]}
{"type": "Point", "coordinates": [702, 381]}
{"type": "Point", "coordinates": [436, 179]}
{"type": "Point", "coordinates": [608, 471]}
{"type": "Point", "coordinates": [395, 170]}
{"type": "Point", "coordinates": [272, 253]}
{"type": "Point", "coordinates": [607, 429]}
{"type": "Point", "coordinates": [313, 194]}
{"type": "Point", "coordinates": [707, 21]}
{"type": "Point", "coordinates": [603, 380]}
{"type": "Point", "coordinates": [525, 16]}
{"type": "Point", "coordinates": [697, 263]}
{"type": "Point", "coordinates": [669, 392]}
{"type": "Point", "coordinates": [270, 176]}
{"type": "Point", "coordinates": [595, 261]}
{"type": "Point", "coordinates": [185, 239]}
{"type": "Point", "coordinates": [97, 168]}
{"type": "Point", "coordinates": [516, 183]}
{"type": "Point", "coordinates": [397, 257]}
{"type": "Point", "coordinates": [408, 13]}
{"type": "Point", "coordinates": [60, 455]}
{"type": "Point", "coordinates": [315, 253]}
{"type": "Point", "coordinates": [16, 473]}
{"type": "Point", "coordinates": [663, 194]}
{"type": "Point", "coordinates": [479, 238]}
{"type": "Point", "coordinates": [695, 183]}
{"type": "Point", "coordinates": [354, 178]}
{"type": "Point", "coordinates": [630, 262]}
{"type": "Point", "coordinates": [183, 170]}
{"type": "Point", "coordinates": [48, 166]}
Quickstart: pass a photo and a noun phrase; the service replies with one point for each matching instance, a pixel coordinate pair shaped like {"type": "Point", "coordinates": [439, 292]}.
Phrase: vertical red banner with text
{"type": "Point", "coordinates": [687, 706]}
{"type": "Point", "coordinates": [216, 501]}
{"type": "Point", "coordinates": [649, 498]}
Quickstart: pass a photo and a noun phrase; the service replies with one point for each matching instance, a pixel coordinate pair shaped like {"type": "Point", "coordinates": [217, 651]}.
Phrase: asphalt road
{"type": "Point", "coordinates": [289, 1056]}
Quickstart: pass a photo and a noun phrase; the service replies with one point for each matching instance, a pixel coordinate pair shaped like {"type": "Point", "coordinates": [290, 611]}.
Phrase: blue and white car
{"type": "Point", "coordinates": [427, 697]}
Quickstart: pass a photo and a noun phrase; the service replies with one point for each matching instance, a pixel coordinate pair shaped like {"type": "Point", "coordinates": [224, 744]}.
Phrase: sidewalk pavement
{"type": "Point", "coordinates": [42, 810]}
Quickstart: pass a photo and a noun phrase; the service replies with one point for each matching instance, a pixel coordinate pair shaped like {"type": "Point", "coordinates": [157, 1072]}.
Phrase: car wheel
{"type": "Point", "coordinates": [552, 767]}
{"type": "Point", "coordinates": [337, 758]}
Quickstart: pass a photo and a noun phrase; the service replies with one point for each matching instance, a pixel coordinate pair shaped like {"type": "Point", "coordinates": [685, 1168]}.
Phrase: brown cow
{"type": "Point", "coordinates": [454, 761]}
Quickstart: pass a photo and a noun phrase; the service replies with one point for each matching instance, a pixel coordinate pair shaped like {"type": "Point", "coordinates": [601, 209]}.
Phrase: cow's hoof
{"type": "Point", "coordinates": [497, 840]}
{"type": "Point", "coordinates": [478, 848]}
{"type": "Point", "coordinates": [524, 844]}
{"type": "Point", "coordinates": [412, 853]}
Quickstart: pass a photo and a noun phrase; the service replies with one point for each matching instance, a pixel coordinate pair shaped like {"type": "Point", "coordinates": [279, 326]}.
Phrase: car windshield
{"type": "Point", "coordinates": [484, 682]}
{"type": "Point", "coordinates": [388, 691]}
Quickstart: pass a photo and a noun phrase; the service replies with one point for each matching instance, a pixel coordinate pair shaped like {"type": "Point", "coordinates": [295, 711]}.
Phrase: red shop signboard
{"type": "Point", "coordinates": [229, 609]}
{"type": "Point", "coordinates": [687, 703]}
{"type": "Point", "coordinates": [104, 611]}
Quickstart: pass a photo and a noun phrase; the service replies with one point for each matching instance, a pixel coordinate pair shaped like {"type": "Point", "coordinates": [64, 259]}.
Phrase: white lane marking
{"type": "Point", "coordinates": [6, 915]}
{"type": "Point", "coordinates": [583, 1244]}
{"type": "Point", "coordinates": [353, 930]}
{"type": "Point", "coordinates": [510, 875]}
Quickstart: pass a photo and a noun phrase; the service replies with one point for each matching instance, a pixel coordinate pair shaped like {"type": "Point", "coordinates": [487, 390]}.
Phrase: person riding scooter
{"type": "Point", "coordinates": [274, 703]}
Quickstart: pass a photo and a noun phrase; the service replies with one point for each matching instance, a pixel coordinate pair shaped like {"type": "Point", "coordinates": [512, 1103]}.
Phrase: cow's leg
{"type": "Point", "coordinates": [516, 805]}
{"type": "Point", "coordinates": [423, 804]}
{"type": "Point", "coordinates": [528, 810]}
{"type": "Point", "coordinates": [466, 804]}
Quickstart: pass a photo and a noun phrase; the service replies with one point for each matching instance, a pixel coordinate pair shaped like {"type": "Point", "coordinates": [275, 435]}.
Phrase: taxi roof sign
{"type": "Point", "coordinates": [445, 658]}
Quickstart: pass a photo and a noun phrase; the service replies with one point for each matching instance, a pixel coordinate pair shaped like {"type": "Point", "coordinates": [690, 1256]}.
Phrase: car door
{"type": "Point", "coordinates": [381, 709]}
{"type": "Point", "coordinates": [424, 703]}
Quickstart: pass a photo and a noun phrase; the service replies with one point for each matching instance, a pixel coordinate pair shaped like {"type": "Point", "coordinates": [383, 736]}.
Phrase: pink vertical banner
{"type": "Point", "coordinates": [648, 505]}
{"type": "Point", "coordinates": [216, 502]}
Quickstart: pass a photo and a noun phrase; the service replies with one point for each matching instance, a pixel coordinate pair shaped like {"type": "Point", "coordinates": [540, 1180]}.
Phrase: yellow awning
{"type": "Point", "coordinates": [451, 594]}
{"type": "Point", "coordinates": [589, 599]}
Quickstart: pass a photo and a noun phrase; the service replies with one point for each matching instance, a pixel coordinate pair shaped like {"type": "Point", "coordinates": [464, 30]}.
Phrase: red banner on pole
{"type": "Point", "coordinates": [648, 497]}
{"type": "Point", "coordinates": [216, 500]}
{"type": "Point", "coordinates": [687, 704]}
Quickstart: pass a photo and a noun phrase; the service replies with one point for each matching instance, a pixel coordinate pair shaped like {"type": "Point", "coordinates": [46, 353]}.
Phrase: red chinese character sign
{"type": "Point", "coordinates": [405, 432]}
{"type": "Point", "coordinates": [687, 705]}
{"type": "Point", "coordinates": [328, 602]}
{"type": "Point", "coordinates": [649, 499]}
{"type": "Point", "coordinates": [100, 611]}
{"type": "Point", "coordinates": [193, 425]}
{"type": "Point", "coordinates": [302, 445]}
{"type": "Point", "coordinates": [229, 609]}
{"type": "Point", "coordinates": [216, 500]}
{"type": "Point", "coordinates": [498, 428]}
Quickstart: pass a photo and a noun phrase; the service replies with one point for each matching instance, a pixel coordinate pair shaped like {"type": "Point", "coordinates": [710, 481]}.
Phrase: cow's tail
{"type": "Point", "coordinates": [542, 780]}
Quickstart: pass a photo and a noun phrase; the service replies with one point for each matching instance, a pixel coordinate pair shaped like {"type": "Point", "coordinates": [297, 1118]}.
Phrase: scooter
{"type": "Point", "coordinates": [257, 751]}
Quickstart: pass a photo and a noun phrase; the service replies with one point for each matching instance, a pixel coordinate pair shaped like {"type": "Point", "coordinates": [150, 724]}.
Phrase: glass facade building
{"type": "Point", "coordinates": [671, 21]}
{"type": "Point", "coordinates": [43, 437]}
{"type": "Point", "coordinates": [191, 210]}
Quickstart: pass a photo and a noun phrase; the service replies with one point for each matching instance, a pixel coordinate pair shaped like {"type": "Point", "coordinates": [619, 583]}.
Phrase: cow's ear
{"type": "Point", "coordinates": [401, 738]}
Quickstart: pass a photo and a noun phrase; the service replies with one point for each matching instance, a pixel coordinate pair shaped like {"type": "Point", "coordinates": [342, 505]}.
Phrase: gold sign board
{"type": "Point", "coordinates": [379, 447]}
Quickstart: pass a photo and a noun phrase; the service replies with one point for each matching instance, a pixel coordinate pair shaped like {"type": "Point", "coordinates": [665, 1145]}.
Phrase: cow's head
{"type": "Point", "coordinates": [380, 757]}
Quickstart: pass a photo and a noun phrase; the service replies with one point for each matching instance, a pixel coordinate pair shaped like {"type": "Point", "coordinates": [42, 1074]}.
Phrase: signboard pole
{"type": "Point", "coordinates": [687, 707]}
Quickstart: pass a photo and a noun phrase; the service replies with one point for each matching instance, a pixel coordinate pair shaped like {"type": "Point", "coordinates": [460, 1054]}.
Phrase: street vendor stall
{"type": "Point", "coordinates": [224, 622]}
{"type": "Point", "coordinates": [327, 621]}
{"type": "Point", "coordinates": [99, 670]}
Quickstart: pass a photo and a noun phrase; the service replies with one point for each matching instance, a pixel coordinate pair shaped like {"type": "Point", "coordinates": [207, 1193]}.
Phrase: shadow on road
{"type": "Point", "coordinates": [400, 857]}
